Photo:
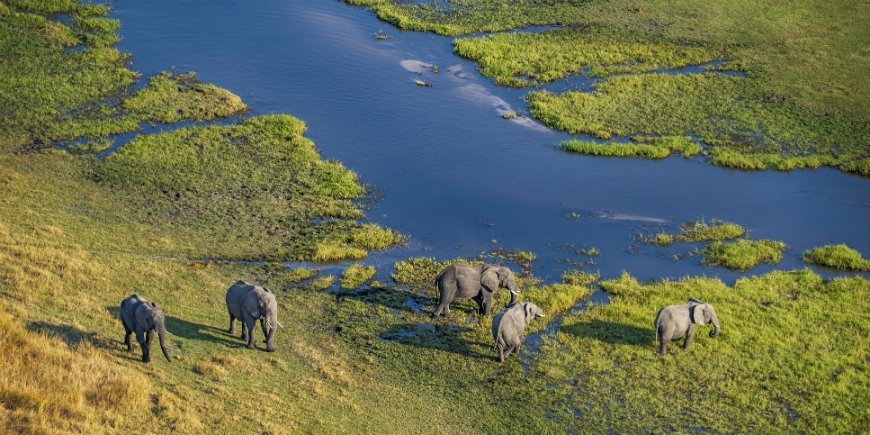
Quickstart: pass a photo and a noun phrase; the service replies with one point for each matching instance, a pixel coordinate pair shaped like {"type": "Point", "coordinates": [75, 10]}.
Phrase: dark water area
{"type": "Point", "coordinates": [456, 177]}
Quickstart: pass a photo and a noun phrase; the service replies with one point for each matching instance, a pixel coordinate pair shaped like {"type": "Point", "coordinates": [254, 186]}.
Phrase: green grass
{"type": "Point", "coordinates": [792, 110]}
{"type": "Point", "coordinates": [643, 147]}
{"type": "Point", "coordinates": [777, 331]}
{"type": "Point", "coordinates": [356, 275]}
{"type": "Point", "coordinates": [743, 254]}
{"type": "Point", "coordinates": [699, 231]}
{"type": "Point", "coordinates": [530, 59]}
{"type": "Point", "coordinates": [837, 257]}
{"type": "Point", "coordinates": [579, 278]}
{"type": "Point", "coordinates": [170, 98]}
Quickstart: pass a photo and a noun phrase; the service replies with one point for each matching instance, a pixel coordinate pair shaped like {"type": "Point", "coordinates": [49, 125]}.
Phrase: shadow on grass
{"type": "Point", "coordinates": [188, 330]}
{"type": "Point", "coordinates": [444, 337]}
{"type": "Point", "coordinates": [71, 335]}
{"type": "Point", "coordinates": [611, 332]}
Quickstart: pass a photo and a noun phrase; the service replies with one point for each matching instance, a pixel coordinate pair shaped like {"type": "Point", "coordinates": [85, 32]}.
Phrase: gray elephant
{"type": "Point", "coordinates": [509, 327]}
{"type": "Point", "coordinates": [460, 281]}
{"type": "Point", "coordinates": [143, 318]}
{"type": "Point", "coordinates": [248, 302]}
{"type": "Point", "coordinates": [675, 321]}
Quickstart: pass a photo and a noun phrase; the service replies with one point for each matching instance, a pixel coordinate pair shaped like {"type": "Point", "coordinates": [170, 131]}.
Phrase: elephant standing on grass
{"type": "Point", "coordinates": [675, 321]}
{"type": "Point", "coordinates": [460, 281]}
{"type": "Point", "coordinates": [509, 327]}
{"type": "Point", "coordinates": [143, 318]}
{"type": "Point", "coordinates": [248, 302]}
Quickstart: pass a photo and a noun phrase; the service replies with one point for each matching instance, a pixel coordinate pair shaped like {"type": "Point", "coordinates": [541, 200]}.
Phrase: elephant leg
{"type": "Point", "coordinates": [127, 333]}
{"type": "Point", "coordinates": [690, 337]}
{"type": "Point", "coordinates": [663, 342]}
{"type": "Point", "coordinates": [245, 331]}
{"type": "Point", "coordinates": [263, 327]}
{"type": "Point", "coordinates": [232, 329]}
{"type": "Point", "coordinates": [519, 348]}
{"type": "Point", "coordinates": [143, 344]}
{"type": "Point", "coordinates": [480, 306]}
{"type": "Point", "coordinates": [487, 304]}
{"type": "Point", "coordinates": [250, 323]}
{"type": "Point", "coordinates": [501, 355]}
{"type": "Point", "coordinates": [443, 307]}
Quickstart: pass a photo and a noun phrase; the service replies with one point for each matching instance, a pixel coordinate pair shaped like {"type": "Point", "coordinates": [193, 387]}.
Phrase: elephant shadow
{"type": "Point", "coordinates": [611, 332]}
{"type": "Point", "coordinates": [390, 297]}
{"type": "Point", "coordinates": [70, 335]}
{"type": "Point", "coordinates": [446, 337]}
{"type": "Point", "coordinates": [188, 330]}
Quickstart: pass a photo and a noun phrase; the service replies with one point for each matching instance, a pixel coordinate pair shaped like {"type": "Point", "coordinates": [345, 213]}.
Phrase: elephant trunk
{"type": "Point", "coordinates": [715, 330]}
{"type": "Point", "coordinates": [162, 336]}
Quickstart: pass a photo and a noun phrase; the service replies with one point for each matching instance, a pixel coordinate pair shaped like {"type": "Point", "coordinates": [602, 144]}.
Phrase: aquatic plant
{"type": "Point", "coordinates": [743, 254]}
{"type": "Point", "coordinates": [356, 275]}
{"type": "Point", "coordinates": [579, 277]}
{"type": "Point", "coordinates": [698, 231]}
{"type": "Point", "coordinates": [649, 147]}
{"type": "Point", "coordinates": [837, 257]}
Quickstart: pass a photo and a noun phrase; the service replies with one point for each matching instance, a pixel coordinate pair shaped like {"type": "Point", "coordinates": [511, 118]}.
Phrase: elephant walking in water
{"type": "Point", "coordinates": [248, 302]}
{"type": "Point", "coordinates": [461, 281]}
{"type": "Point", "coordinates": [675, 321]}
{"type": "Point", "coordinates": [143, 318]}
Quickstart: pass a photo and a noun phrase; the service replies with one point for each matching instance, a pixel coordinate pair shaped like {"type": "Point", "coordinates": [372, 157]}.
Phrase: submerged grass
{"type": "Point", "coordinates": [699, 231]}
{"type": "Point", "coordinates": [837, 257]}
{"type": "Point", "coordinates": [356, 275]}
{"type": "Point", "coordinates": [743, 254]}
{"type": "Point", "coordinates": [650, 147]}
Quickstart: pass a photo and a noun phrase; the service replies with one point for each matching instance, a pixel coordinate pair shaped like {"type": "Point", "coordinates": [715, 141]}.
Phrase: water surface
{"type": "Point", "coordinates": [455, 176]}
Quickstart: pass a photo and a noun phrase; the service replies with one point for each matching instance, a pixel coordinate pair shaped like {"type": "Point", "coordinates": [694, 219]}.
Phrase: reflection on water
{"type": "Point", "coordinates": [446, 161]}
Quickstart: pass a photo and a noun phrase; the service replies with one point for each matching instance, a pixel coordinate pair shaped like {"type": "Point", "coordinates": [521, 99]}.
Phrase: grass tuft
{"type": "Point", "coordinates": [699, 231]}
{"type": "Point", "coordinates": [356, 275]}
{"type": "Point", "coordinates": [837, 257]}
{"type": "Point", "coordinates": [743, 254]}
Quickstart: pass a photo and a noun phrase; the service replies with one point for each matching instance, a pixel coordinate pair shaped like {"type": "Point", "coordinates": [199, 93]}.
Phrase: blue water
{"type": "Point", "coordinates": [455, 176]}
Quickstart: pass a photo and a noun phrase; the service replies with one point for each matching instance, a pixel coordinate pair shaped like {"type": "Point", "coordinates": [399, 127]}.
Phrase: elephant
{"type": "Point", "coordinates": [143, 318]}
{"type": "Point", "coordinates": [509, 327]}
{"type": "Point", "coordinates": [460, 281]}
{"type": "Point", "coordinates": [248, 302]}
{"type": "Point", "coordinates": [676, 321]}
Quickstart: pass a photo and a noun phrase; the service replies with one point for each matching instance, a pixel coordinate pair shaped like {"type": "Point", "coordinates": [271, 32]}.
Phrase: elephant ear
{"type": "Point", "coordinates": [489, 279]}
{"type": "Point", "coordinates": [698, 316]}
{"type": "Point", "coordinates": [527, 307]}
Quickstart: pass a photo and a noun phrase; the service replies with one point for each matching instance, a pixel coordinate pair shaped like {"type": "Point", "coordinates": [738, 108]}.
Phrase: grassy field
{"type": "Point", "coordinates": [837, 257]}
{"type": "Point", "coordinates": [794, 95]}
{"type": "Point", "coordinates": [162, 216]}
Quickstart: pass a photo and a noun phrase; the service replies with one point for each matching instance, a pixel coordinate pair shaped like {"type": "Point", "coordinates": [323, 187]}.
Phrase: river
{"type": "Point", "coordinates": [456, 177]}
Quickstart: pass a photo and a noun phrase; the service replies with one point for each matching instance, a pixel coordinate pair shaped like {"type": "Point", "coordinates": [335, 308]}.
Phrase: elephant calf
{"type": "Point", "coordinates": [248, 302]}
{"type": "Point", "coordinates": [675, 321]}
{"type": "Point", "coordinates": [461, 281]}
{"type": "Point", "coordinates": [509, 327]}
{"type": "Point", "coordinates": [143, 318]}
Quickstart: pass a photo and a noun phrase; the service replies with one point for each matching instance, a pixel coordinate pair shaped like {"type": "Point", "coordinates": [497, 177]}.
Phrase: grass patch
{"type": "Point", "coordinates": [837, 257]}
{"type": "Point", "coordinates": [356, 275]}
{"type": "Point", "coordinates": [698, 231]}
{"type": "Point", "coordinates": [579, 278]}
{"type": "Point", "coordinates": [743, 254]}
{"type": "Point", "coordinates": [518, 59]}
{"type": "Point", "coordinates": [171, 98]}
{"type": "Point", "coordinates": [752, 375]}
{"type": "Point", "coordinates": [650, 147]}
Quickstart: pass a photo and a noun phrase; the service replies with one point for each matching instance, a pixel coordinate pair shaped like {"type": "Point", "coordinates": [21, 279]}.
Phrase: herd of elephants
{"type": "Point", "coordinates": [249, 303]}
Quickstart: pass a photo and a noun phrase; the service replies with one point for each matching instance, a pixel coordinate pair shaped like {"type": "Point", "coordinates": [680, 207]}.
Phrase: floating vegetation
{"type": "Point", "coordinates": [356, 275]}
{"type": "Point", "coordinates": [743, 254]}
{"type": "Point", "coordinates": [579, 277]}
{"type": "Point", "coordinates": [422, 83]}
{"type": "Point", "coordinates": [649, 147]}
{"type": "Point", "coordinates": [837, 257]}
{"type": "Point", "coordinates": [698, 231]}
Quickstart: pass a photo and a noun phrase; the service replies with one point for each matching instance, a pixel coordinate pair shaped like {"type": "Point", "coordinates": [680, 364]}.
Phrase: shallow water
{"type": "Point", "coordinates": [456, 177]}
